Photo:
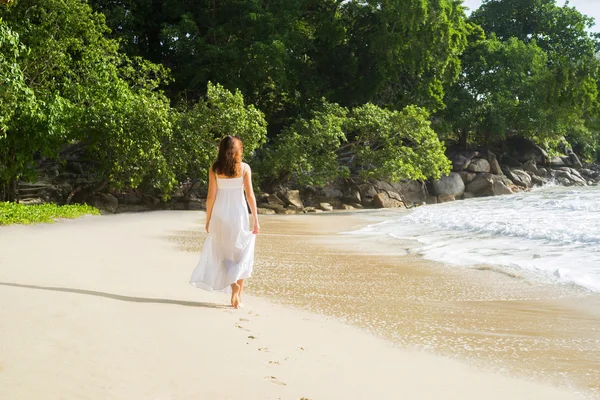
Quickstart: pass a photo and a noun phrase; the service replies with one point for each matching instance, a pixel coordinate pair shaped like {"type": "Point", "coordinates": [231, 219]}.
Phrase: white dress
{"type": "Point", "coordinates": [228, 251]}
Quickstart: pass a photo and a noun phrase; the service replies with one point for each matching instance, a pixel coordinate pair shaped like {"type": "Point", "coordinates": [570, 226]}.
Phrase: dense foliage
{"type": "Point", "coordinates": [317, 89]}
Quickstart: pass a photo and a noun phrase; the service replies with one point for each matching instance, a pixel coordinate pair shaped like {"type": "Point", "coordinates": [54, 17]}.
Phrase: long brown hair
{"type": "Point", "coordinates": [229, 160]}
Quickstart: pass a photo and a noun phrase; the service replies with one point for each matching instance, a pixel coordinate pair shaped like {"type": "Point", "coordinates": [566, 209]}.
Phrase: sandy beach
{"type": "Point", "coordinates": [100, 308]}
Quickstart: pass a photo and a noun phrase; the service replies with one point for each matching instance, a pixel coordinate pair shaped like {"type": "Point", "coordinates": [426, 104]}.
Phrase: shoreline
{"type": "Point", "coordinates": [481, 315]}
{"type": "Point", "coordinates": [100, 309]}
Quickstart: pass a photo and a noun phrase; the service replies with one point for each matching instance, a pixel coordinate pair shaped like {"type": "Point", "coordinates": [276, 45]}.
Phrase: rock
{"type": "Point", "coordinates": [510, 162]}
{"type": "Point", "coordinates": [565, 178]}
{"type": "Point", "coordinates": [347, 207]}
{"type": "Point", "coordinates": [460, 162]}
{"type": "Point", "coordinates": [467, 177]}
{"type": "Point", "coordinates": [556, 161]}
{"type": "Point", "coordinates": [109, 202]}
{"type": "Point", "coordinates": [523, 177]}
{"type": "Point", "coordinates": [479, 165]}
{"type": "Point", "coordinates": [74, 167]}
{"type": "Point", "coordinates": [308, 209]}
{"type": "Point", "coordinates": [445, 198]}
{"type": "Point", "coordinates": [367, 191]}
{"type": "Point", "coordinates": [265, 211]}
{"type": "Point", "coordinates": [273, 199]}
{"type": "Point", "coordinates": [494, 164]}
{"type": "Point", "coordinates": [357, 205]}
{"type": "Point", "coordinates": [538, 180]}
{"type": "Point", "coordinates": [588, 173]}
{"type": "Point", "coordinates": [291, 198]}
{"type": "Point", "coordinates": [575, 160]}
{"type": "Point", "coordinates": [450, 184]}
{"type": "Point", "coordinates": [514, 179]}
{"type": "Point", "coordinates": [315, 210]}
{"type": "Point", "coordinates": [468, 195]}
{"type": "Point", "coordinates": [326, 206]}
{"type": "Point", "coordinates": [524, 150]}
{"type": "Point", "coordinates": [431, 200]}
{"type": "Point", "coordinates": [530, 167]}
{"type": "Point", "coordinates": [353, 196]}
{"type": "Point", "coordinates": [413, 192]}
{"type": "Point", "coordinates": [332, 192]}
{"type": "Point", "coordinates": [543, 172]}
{"type": "Point", "coordinates": [286, 211]}
{"type": "Point", "coordinates": [486, 184]}
{"type": "Point", "coordinates": [383, 200]}
{"type": "Point", "coordinates": [270, 206]}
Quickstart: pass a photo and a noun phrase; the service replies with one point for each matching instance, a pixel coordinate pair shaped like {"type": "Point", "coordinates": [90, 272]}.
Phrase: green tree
{"type": "Point", "coordinates": [88, 93]}
{"type": "Point", "coordinates": [193, 146]}
{"type": "Point", "coordinates": [369, 141]}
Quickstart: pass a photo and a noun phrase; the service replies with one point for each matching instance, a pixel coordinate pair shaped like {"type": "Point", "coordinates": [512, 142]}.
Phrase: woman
{"type": "Point", "coordinates": [228, 251]}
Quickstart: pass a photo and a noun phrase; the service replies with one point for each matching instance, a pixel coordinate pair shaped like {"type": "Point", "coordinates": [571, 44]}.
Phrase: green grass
{"type": "Point", "coordinates": [12, 213]}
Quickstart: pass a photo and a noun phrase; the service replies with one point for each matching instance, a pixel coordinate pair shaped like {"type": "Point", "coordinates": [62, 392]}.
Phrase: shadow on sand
{"type": "Point", "coordinates": [117, 296]}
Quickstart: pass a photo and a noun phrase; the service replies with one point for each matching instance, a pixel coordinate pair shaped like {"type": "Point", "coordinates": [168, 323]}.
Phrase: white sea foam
{"type": "Point", "coordinates": [552, 232]}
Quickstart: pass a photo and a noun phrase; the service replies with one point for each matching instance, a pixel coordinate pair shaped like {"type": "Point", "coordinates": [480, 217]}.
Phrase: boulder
{"type": "Point", "coordinates": [479, 165]}
{"type": "Point", "coordinates": [431, 200]}
{"type": "Point", "coordinates": [383, 200]}
{"type": "Point", "coordinates": [273, 199]}
{"type": "Point", "coordinates": [486, 184]}
{"type": "Point", "coordinates": [467, 176]}
{"type": "Point", "coordinates": [413, 192]}
{"type": "Point", "coordinates": [367, 191]}
{"type": "Point", "coordinates": [347, 207]}
{"type": "Point", "coordinates": [510, 162]}
{"type": "Point", "coordinates": [265, 211]}
{"type": "Point", "coordinates": [326, 207]}
{"type": "Point", "coordinates": [270, 206]}
{"type": "Point", "coordinates": [524, 150]}
{"type": "Point", "coordinates": [468, 195]}
{"type": "Point", "coordinates": [494, 164]}
{"type": "Point", "coordinates": [292, 198]}
{"type": "Point", "coordinates": [445, 198]}
{"type": "Point", "coordinates": [108, 202]}
{"type": "Point", "coordinates": [450, 184]}
{"type": "Point", "coordinates": [556, 161]}
{"type": "Point", "coordinates": [538, 180]}
{"type": "Point", "coordinates": [460, 162]}
{"type": "Point", "coordinates": [523, 177]}
{"type": "Point", "coordinates": [531, 167]}
{"type": "Point", "coordinates": [314, 210]}
{"type": "Point", "coordinates": [332, 192]}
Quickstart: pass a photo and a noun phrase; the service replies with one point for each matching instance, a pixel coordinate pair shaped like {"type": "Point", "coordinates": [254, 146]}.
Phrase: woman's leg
{"type": "Point", "coordinates": [235, 295]}
{"type": "Point", "coordinates": [241, 284]}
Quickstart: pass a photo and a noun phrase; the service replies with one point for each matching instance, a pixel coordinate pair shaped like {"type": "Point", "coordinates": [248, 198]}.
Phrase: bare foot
{"type": "Point", "coordinates": [235, 295]}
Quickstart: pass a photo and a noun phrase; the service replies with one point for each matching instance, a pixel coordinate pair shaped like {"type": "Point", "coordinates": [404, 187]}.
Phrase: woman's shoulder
{"type": "Point", "coordinates": [246, 168]}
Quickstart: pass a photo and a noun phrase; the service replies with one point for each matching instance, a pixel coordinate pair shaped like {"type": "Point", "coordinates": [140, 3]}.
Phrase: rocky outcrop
{"type": "Point", "coordinates": [385, 200]}
{"type": "Point", "coordinates": [486, 184]}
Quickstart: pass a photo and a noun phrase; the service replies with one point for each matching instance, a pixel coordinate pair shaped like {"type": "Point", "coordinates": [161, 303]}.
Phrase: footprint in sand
{"type": "Point", "coordinates": [263, 349]}
{"type": "Point", "coordinates": [242, 328]}
{"type": "Point", "coordinates": [244, 320]}
{"type": "Point", "coordinates": [274, 380]}
{"type": "Point", "coordinates": [274, 362]}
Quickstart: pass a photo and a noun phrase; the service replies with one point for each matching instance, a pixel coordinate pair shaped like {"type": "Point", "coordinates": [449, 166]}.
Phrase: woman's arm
{"type": "Point", "coordinates": [251, 198]}
{"type": "Point", "coordinates": [212, 194]}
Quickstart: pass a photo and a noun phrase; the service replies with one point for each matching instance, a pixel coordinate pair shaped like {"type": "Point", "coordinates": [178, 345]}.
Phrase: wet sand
{"type": "Point", "coordinates": [501, 322]}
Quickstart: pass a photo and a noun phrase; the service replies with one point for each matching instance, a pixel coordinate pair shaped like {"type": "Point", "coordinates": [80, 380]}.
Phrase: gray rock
{"type": "Point", "coordinates": [486, 184]}
{"type": "Point", "coordinates": [332, 192]}
{"type": "Point", "coordinates": [556, 161]}
{"type": "Point", "coordinates": [467, 176]}
{"type": "Point", "coordinates": [510, 162]}
{"type": "Point", "coordinates": [315, 210]}
{"type": "Point", "coordinates": [468, 195]}
{"type": "Point", "coordinates": [523, 177]}
{"type": "Point", "coordinates": [367, 191]}
{"type": "Point", "coordinates": [450, 184]}
{"type": "Point", "coordinates": [431, 200]}
{"type": "Point", "coordinates": [479, 165]}
{"type": "Point", "coordinates": [110, 202]}
{"type": "Point", "coordinates": [531, 167]}
{"type": "Point", "coordinates": [273, 199]}
{"type": "Point", "coordinates": [494, 165]}
{"type": "Point", "coordinates": [326, 207]}
{"type": "Point", "coordinates": [460, 162]}
{"type": "Point", "coordinates": [383, 200]}
{"type": "Point", "coordinates": [265, 211]}
{"type": "Point", "coordinates": [445, 198]}
{"type": "Point", "coordinates": [538, 180]}
{"type": "Point", "coordinates": [292, 198]}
